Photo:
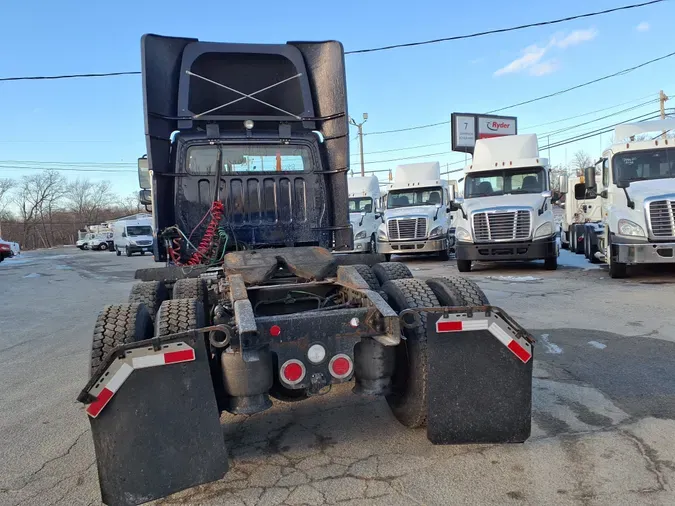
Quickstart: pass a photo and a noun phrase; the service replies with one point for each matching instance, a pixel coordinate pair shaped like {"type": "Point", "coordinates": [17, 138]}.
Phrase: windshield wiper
{"type": "Point", "coordinates": [520, 192]}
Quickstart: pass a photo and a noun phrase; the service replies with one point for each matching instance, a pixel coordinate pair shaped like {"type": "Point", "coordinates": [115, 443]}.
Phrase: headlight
{"type": "Point", "coordinates": [462, 234]}
{"type": "Point", "coordinates": [544, 230]}
{"type": "Point", "coordinates": [132, 243]}
{"type": "Point", "coordinates": [436, 232]}
{"type": "Point", "coordinates": [382, 234]}
{"type": "Point", "coordinates": [360, 235]}
{"type": "Point", "coordinates": [627, 227]}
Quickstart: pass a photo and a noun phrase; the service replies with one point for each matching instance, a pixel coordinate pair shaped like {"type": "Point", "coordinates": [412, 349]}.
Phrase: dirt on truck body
{"type": "Point", "coordinates": [248, 148]}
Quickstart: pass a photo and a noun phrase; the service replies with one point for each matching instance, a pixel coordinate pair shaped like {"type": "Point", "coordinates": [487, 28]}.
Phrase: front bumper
{"type": "Point", "coordinates": [643, 253]}
{"type": "Point", "coordinates": [138, 249]}
{"type": "Point", "coordinates": [521, 250]}
{"type": "Point", "coordinates": [413, 247]}
{"type": "Point", "coordinates": [360, 246]}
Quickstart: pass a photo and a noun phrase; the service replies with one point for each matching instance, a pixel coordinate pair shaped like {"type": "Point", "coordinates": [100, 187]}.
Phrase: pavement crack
{"type": "Point", "coordinates": [652, 463]}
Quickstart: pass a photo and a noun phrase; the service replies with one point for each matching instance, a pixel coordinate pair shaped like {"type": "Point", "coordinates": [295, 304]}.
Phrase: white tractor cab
{"type": "Point", "coordinates": [637, 199]}
{"type": "Point", "coordinates": [582, 205]}
{"type": "Point", "coordinates": [364, 212]}
{"type": "Point", "coordinates": [506, 212]}
{"type": "Point", "coordinates": [100, 241]}
{"type": "Point", "coordinates": [133, 236]}
{"type": "Point", "coordinates": [417, 215]}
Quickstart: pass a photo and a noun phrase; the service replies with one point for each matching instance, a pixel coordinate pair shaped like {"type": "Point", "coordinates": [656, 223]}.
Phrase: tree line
{"type": "Point", "coordinates": [45, 209]}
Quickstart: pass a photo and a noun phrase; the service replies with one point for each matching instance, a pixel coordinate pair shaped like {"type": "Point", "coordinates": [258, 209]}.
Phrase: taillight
{"type": "Point", "coordinates": [340, 366]}
{"type": "Point", "coordinates": [292, 372]}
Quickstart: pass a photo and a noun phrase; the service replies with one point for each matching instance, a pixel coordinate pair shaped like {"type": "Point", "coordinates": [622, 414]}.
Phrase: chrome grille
{"type": "Point", "coordinates": [662, 218]}
{"type": "Point", "coordinates": [501, 226]}
{"type": "Point", "coordinates": [143, 243]}
{"type": "Point", "coordinates": [407, 228]}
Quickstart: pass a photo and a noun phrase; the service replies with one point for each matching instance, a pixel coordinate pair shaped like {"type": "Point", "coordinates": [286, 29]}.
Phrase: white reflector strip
{"type": "Point", "coordinates": [173, 353]}
{"type": "Point", "coordinates": [500, 334]}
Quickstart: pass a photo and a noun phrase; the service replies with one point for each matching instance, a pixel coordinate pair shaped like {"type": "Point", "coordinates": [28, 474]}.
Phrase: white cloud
{"type": "Point", "coordinates": [531, 59]}
{"type": "Point", "coordinates": [643, 27]}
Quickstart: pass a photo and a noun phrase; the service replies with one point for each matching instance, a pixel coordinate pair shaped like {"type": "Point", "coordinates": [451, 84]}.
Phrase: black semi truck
{"type": "Point", "coordinates": [248, 155]}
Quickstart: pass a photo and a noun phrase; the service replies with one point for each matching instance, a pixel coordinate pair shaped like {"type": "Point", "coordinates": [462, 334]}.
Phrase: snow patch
{"type": "Point", "coordinates": [550, 347]}
{"type": "Point", "coordinates": [515, 278]}
{"type": "Point", "coordinates": [33, 275]}
{"type": "Point", "coordinates": [597, 345]}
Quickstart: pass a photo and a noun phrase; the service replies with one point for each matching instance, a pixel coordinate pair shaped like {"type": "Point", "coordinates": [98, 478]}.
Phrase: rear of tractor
{"type": "Point", "coordinates": [260, 309]}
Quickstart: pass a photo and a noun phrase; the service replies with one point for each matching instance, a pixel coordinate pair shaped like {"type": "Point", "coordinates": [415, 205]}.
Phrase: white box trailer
{"type": "Point", "coordinates": [364, 212]}
{"type": "Point", "coordinates": [133, 236]}
{"type": "Point", "coordinates": [417, 215]}
{"type": "Point", "coordinates": [506, 212]}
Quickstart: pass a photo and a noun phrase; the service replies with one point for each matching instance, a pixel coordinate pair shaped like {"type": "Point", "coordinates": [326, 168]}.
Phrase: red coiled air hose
{"type": "Point", "coordinates": [217, 210]}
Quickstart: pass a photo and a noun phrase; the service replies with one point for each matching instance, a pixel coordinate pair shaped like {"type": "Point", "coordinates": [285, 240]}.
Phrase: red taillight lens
{"type": "Point", "coordinates": [341, 366]}
{"type": "Point", "coordinates": [292, 372]}
{"type": "Point", "coordinates": [275, 330]}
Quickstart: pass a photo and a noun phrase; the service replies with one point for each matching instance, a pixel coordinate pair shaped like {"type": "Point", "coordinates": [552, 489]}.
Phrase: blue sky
{"type": "Point", "coordinates": [100, 120]}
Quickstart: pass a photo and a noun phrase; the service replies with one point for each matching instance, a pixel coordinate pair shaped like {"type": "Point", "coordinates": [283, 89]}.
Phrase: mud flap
{"type": "Point", "coordinates": [480, 378]}
{"type": "Point", "coordinates": [158, 432]}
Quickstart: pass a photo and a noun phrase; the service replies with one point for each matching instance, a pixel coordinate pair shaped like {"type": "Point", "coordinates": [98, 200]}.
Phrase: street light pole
{"type": "Point", "coordinates": [360, 127]}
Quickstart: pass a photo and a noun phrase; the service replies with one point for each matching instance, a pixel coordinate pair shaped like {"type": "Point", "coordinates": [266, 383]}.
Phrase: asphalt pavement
{"type": "Point", "coordinates": [603, 400]}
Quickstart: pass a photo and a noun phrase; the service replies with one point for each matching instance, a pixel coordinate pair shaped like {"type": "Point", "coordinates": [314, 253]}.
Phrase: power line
{"type": "Point", "coordinates": [407, 129]}
{"type": "Point", "coordinates": [66, 169]}
{"type": "Point", "coordinates": [503, 30]}
{"type": "Point", "coordinates": [621, 72]}
{"type": "Point", "coordinates": [403, 149]}
{"type": "Point", "coordinates": [382, 48]}
{"type": "Point", "coordinates": [101, 164]}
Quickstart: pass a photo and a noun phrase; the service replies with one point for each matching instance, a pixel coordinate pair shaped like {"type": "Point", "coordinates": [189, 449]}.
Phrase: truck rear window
{"type": "Point", "coordinates": [202, 160]}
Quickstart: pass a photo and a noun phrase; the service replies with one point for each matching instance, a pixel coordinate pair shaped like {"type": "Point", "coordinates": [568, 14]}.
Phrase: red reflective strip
{"type": "Point", "coordinates": [179, 356]}
{"type": "Point", "coordinates": [519, 351]}
{"type": "Point", "coordinates": [103, 398]}
{"type": "Point", "coordinates": [446, 326]}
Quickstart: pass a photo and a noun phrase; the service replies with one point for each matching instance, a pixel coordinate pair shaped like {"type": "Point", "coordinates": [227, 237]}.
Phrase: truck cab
{"type": "Point", "coordinates": [364, 212]}
{"type": "Point", "coordinates": [417, 215]}
{"type": "Point", "coordinates": [582, 205]}
{"type": "Point", "coordinates": [637, 192]}
{"type": "Point", "coordinates": [506, 212]}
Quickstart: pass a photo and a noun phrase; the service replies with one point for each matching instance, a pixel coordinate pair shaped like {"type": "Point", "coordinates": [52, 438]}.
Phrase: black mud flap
{"type": "Point", "coordinates": [156, 429]}
{"type": "Point", "coordinates": [480, 378]}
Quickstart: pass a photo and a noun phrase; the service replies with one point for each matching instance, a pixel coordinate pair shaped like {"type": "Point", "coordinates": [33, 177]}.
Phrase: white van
{"type": "Point", "coordinates": [364, 212]}
{"type": "Point", "coordinates": [133, 236]}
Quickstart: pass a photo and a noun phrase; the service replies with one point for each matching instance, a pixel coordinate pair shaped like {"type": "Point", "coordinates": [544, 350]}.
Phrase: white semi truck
{"type": "Point", "coordinates": [364, 212]}
{"type": "Point", "coordinates": [506, 212]}
{"type": "Point", "coordinates": [637, 199]}
{"type": "Point", "coordinates": [582, 205]}
{"type": "Point", "coordinates": [417, 215]}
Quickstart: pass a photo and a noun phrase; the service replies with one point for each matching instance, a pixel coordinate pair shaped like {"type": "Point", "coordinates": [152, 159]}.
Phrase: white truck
{"type": "Point", "coordinates": [582, 205]}
{"type": "Point", "coordinates": [417, 216]}
{"type": "Point", "coordinates": [637, 199]}
{"type": "Point", "coordinates": [506, 212]}
{"type": "Point", "coordinates": [95, 237]}
{"type": "Point", "coordinates": [364, 212]}
{"type": "Point", "coordinates": [133, 236]}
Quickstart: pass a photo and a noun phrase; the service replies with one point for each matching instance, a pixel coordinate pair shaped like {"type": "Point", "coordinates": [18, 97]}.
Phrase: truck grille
{"type": "Point", "coordinates": [144, 243]}
{"type": "Point", "coordinates": [501, 226]}
{"type": "Point", "coordinates": [662, 218]}
{"type": "Point", "coordinates": [407, 228]}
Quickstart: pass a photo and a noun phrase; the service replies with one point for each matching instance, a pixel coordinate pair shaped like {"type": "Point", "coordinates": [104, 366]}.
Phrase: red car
{"type": "Point", "coordinates": [5, 251]}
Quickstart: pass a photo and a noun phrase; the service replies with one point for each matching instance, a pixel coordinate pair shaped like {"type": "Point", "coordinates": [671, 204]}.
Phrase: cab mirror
{"type": "Point", "coordinates": [589, 177]}
{"type": "Point", "coordinates": [451, 192]}
{"type": "Point", "coordinates": [563, 182]}
{"type": "Point", "coordinates": [145, 197]}
{"type": "Point", "coordinates": [143, 174]}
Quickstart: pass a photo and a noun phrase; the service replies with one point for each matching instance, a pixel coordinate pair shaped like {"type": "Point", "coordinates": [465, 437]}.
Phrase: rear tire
{"type": "Point", "coordinates": [179, 315]}
{"type": "Point", "coordinates": [578, 248]}
{"type": "Point", "coordinates": [191, 288]}
{"type": "Point", "coordinates": [116, 325]}
{"type": "Point", "coordinates": [150, 293]}
{"type": "Point", "coordinates": [464, 265]}
{"type": "Point", "coordinates": [368, 276]}
{"type": "Point", "coordinates": [457, 291]}
{"type": "Point", "coordinates": [390, 271]}
{"type": "Point", "coordinates": [118, 252]}
{"type": "Point", "coordinates": [590, 248]}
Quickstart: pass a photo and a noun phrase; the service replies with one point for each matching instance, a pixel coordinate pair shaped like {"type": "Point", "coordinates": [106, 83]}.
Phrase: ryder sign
{"type": "Point", "coordinates": [468, 128]}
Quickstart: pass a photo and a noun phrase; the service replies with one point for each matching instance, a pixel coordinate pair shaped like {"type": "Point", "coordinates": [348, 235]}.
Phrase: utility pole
{"type": "Point", "coordinates": [662, 100]}
{"type": "Point", "coordinates": [360, 127]}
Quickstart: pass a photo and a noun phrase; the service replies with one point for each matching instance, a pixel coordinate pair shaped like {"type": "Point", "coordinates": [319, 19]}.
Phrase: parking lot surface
{"type": "Point", "coordinates": [603, 404]}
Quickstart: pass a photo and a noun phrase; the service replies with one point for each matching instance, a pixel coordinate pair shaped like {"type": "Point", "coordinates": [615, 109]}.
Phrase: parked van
{"type": "Point", "coordinates": [133, 236]}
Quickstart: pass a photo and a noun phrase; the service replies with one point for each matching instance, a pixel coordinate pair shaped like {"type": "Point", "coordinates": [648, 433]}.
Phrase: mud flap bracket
{"type": "Point", "coordinates": [480, 377]}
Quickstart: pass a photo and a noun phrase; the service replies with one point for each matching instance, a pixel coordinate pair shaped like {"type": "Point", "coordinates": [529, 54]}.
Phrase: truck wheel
{"type": "Point", "coordinates": [565, 240]}
{"type": "Point", "coordinates": [578, 248]}
{"type": "Point", "coordinates": [444, 255]}
{"type": "Point", "coordinates": [191, 288]}
{"type": "Point", "coordinates": [457, 291]}
{"type": "Point", "coordinates": [373, 244]}
{"type": "Point", "coordinates": [150, 293]}
{"type": "Point", "coordinates": [116, 325]}
{"type": "Point", "coordinates": [127, 251]}
{"type": "Point", "coordinates": [464, 265]}
{"type": "Point", "coordinates": [591, 249]}
{"type": "Point", "coordinates": [616, 270]}
{"type": "Point", "coordinates": [118, 252]}
{"type": "Point", "coordinates": [387, 257]}
{"type": "Point", "coordinates": [390, 271]}
{"type": "Point", "coordinates": [178, 315]}
{"type": "Point", "coordinates": [408, 397]}
{"type": "Point", "coordinates": [103, 246]}
{"type": "Point", "coordinates": [368, 276]}
{"type": "Point", "coordinates": [551, 263]}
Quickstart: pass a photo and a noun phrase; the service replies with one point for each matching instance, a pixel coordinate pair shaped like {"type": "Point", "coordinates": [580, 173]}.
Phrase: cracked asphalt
{"type": "Point", "coordinates": [603, 401]}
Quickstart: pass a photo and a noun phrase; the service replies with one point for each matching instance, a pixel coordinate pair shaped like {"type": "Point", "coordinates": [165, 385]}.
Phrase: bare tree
{"type": "Point", "coordinates": [580, 161]}
{"type": "Point", "coordinates": [6, 185]}
{"type": "Point", "coordinates": [88, 199]}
